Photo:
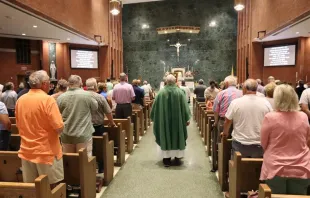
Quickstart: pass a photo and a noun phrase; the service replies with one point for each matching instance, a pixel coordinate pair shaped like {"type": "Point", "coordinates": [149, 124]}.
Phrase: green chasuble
{"type": "Point", "coordinates": [170, 113]}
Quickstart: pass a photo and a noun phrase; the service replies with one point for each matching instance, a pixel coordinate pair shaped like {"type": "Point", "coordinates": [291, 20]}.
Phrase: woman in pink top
{"type": "Point", "coordinates": [284, 137]}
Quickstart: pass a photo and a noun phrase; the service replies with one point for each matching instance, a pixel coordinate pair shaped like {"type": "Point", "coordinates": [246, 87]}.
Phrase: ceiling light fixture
{"type": "Point", "coordinates": [212, 24]}
{"type": "Point", "coordinates": [239, 5]}
{"type": "Point", "coordinates": [23, 34]}
{"type": "Point", "coordinates": [145, 26]}
{"type": "Point", "coordinates": [166, 32]}
{"type": "Point", "coordinates": [115, 6]}
{"type": "Point", "coordinates": [68, 39]}
{"type": "Point", "coordinates": [34, 26]}
{"type": "Point", "coordinates": [297, 32]}
{"type": "Point", "coordinates": [191, 31]}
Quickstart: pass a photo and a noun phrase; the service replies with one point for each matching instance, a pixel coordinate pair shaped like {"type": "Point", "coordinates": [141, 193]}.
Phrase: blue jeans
{"type": "Point", "coordinates": [248, 151]}
{"type": "Point", "coordinates": [4, 140]}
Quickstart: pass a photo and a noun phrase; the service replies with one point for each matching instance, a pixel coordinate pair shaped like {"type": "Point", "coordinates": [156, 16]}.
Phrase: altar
{"type": "Point", "coordinates": [181, 74]}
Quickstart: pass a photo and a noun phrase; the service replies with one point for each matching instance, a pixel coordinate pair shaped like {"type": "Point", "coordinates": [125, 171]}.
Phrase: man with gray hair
{"type": "Point", "coordinates": [39, 124]}
{"type": "Point", "coordinates": [171, 115]}
{"type": "Point", "coordinates": [123, 94]}
{"type": "Point", "coordinates": [200, 91]}
{"type": "Point", "coordinates": [247, 114]}
{"type": "Point", "coordinates": [76, 106]}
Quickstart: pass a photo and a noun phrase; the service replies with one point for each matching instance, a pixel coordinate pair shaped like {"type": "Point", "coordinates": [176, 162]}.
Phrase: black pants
{"type": "Point", "coordinates": [11, 112]}
{"type": "Point", "coordinates": [123, 111]}
{"type": "Point", "coordinates": [4, 140]}
{"type": "Point", "coordinates": [200, 99]}
{"type": "Point", "coordinates": [99, 130]}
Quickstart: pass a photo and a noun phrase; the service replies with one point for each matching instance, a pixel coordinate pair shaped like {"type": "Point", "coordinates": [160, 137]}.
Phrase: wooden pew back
{"type": "Point", "coordinates": [265, 191]}
{"type": "Point", "coordinates": [128, 127]}
{"type": "Point", "coordinates": [141, 119]}
{"type": "Point", "coordinates": [14, 129]}
{"type": "Point", "coordinates": [223, 162]}
{"type": "Point", "coordinates": [103, 149]}
{"type": "Point", "coordinates": [244, 174]}
{"type": "Point", "coordinates": [10, 164]}
{"type": "Point", "coordinates": [136, 127]}
{"type": "Point", "coordinates": [80, 170]}
{"type": "Point", "coordinates": [13, 120]}
{"type": "Point", "coordinates": [39, 189]}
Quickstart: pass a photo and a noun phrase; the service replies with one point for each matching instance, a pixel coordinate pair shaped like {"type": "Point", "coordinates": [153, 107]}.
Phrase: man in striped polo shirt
{"type": "Point", "coordinates": [222, 102]}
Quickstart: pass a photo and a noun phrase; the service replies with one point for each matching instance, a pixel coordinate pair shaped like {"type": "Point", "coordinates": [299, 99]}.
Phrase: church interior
{"type": "Point", "coordinates": [201, 47]}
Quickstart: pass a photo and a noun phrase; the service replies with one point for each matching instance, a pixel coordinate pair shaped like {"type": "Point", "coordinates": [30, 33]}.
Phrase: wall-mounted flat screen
{"type": "Point", "coordinates": [84, 59]}
{"type": "Point", "coordinates": [280, 56]}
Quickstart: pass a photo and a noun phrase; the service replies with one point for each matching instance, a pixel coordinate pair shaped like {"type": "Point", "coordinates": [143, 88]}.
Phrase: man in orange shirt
{"type": "Point", "coordinates": [39, 123]}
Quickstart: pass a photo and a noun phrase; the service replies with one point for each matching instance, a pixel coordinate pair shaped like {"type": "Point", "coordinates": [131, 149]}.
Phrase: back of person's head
{"type": "Point", "coordinates": [138, 82]}
{"type": "Point", "coordinates": [259, 81]}
{"type": "Point", "coordinates": [135, 82]}
{"type": "Point", "coordinates": [91, 84]}
{"type": "Point", "coordinates": [200, 82]}
{"type": "Point", "coordinates": [145, 82]}
{"type": "Point", "coordinates": [278, 82]}
{"type": "Point", "coordinates": [9, 86]}
{"type": "Point", "coordinates": [123, 77]}
{"type": "Point", "coordinates": [21, 85]}
{"type": "Point", "coordinates": [183, 83]}
{"type": "Point", "coordinates": [102, 86]}
{"type": "Point", "coordinates": [170, 79]}
{"type": "Point", "coordinates": [285, 98]}
{"type": "Point", "coordinates": [230, 81]}
{"type": "Point", "coordinates": [75, 81]}
{"type": "Point", "coordinates": [62, 85]}
{"type": "Point", "coordinates": [269, 89]}
{"type": "Point", "coordinates": [301, 83]}
{"type": "Point", "coordinates": [108, 80]}
{"type": "Point", "coordinates": [39, 80]}
{"type": "Point", "coordinates": [212, 83]}
{"type": "Point", "coordinates": [250, 85]}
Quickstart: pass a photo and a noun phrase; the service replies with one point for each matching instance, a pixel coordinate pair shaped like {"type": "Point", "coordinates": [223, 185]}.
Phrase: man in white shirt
{"type": "Point", "coordinates": [247, 114]}
{"type": "Point", "coordinates": [1, 88]}
{"type": "Point", "coordinates": [147, 90]}
{"type": "Point", "coordinates": [186, 90]}
{"type": "Point", "coordinates": [9, 98]}
{"type": "Point", "coordinates": [211, 92]}
{"type": "Point", "coordinates": [305, 102]}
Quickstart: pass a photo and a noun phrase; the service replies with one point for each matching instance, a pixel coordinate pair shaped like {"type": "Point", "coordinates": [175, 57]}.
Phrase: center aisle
{"type": "Point", "coordinates": [143, 175]}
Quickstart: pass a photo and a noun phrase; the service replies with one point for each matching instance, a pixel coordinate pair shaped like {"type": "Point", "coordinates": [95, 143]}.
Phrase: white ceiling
{"type": "Point", "coordinates": [299, 29]}
{"type": "Point", "coordinates": [15, 21]}
{"type": "Point", "coordinates": [137, 1]}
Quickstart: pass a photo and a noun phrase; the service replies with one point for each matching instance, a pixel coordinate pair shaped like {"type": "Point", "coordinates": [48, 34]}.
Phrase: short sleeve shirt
{"type": "Point", "coordinates": [305, 97]}
{"type": "Point", "coordinates": [38, 119]}
{"type": "Point", "coordinates": [123, 93]}
{"type": "Point", "coordinates": [3, 111]}
{"type": "Point", "coordinates": [103, 108]}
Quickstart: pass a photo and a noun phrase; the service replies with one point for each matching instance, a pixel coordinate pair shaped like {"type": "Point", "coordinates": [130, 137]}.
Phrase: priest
{"type": "Point", "coordinates": [171, 114]}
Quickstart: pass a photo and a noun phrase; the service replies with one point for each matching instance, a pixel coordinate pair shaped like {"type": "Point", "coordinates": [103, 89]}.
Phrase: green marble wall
{"type": "Point", "coordinates": [211, 53]}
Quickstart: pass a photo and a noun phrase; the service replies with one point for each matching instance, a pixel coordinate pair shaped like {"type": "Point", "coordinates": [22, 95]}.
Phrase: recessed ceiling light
{"type": "Point", "coordinates": [168, 40]}
{"type": "Point", "coordinates": [68, 39]}
{"type": "Point", "coordinates": [166, 32]}
{"type": "Point", "coordinates": [191, 31]}
{"type": "Point", "coordinates": [189, 39]}
{"type": "Point", "coordinates": [239, 7]}
{"type": "Point", "coordinates": [212, 24]}
{"type": "Point", "coordinates": [34, 26]}
{"type": "Point", "coordinates": [23, 34]}
{"type": "Point", "coordinates": [297, 32]}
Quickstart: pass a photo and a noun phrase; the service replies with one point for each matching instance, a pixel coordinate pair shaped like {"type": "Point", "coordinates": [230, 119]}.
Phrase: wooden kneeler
{"type": "Point", "coordinates": [223, 162]}
{"type": "Point", "coordinates": [81, 170]}
{"type": "Point", "coordinates": [136, 127]}
{"type": "Point", "coordinates": [141, 119]}
{"type": "Point", "coordinates": [244, 174]}
{"type": "Point", "coordinates": [128, 127]}
{"type": "Point", "coordinates": [103, 149]}
{"type": "Point", "coordinates": [39, 189]}
{"type": "Point", "coordinates": [118, 136]}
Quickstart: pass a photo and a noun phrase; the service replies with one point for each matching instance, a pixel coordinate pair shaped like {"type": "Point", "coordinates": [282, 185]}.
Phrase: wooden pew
{"type": "Point", "coordinates": [39, 189]}
{"type": "Point", "coordinates": [103, 149]}
{"type": "Point", "coordinates": [145, 114]}
{"type": "Point", "coordinates": [194, 108]}
{"type": "Point", "coordinates": [128, 127]}
{"type": "Point", "coordinates": [141, 119]}
{"type": "Point", "coordinates": [14, 143]}
{"type": "Point", "coordinates": [150, 104]}
{"type": "Point", "coordinates": [13, 120]}
{"type": "Point", "coordinates": [202, 114]}
{"type": "Point", "coordinates": [14, 129]}
{"type": "Point", "coordinates": [136, 127]}
{"type": "Point", "coordinates": [118, 136]}
{"type": "Point", "coordinates": [244, 174]}
{"type": "Point", "coordinates": [197, 111]}
{"type": "Point", "coordinates": [210, 123]}
{"type": "Point", "coordinates": [265, 192]}
{"type": "Point", "coordinates": [80, 170]}
{"type": "Point", "coordinates": [10, 165]}
{"type": "Point", "coordinates": [223, 162]}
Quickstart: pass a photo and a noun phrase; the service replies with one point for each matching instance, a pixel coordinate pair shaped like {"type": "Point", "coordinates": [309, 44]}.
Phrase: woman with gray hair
{"type": "Point", "coordinates": [284, 137]}
{"type": "Point", "coordinates": [171, 114]}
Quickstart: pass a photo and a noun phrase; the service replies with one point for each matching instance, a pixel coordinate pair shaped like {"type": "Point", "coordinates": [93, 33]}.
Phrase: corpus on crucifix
{"type": "Point", "coordinates": [178, 45]}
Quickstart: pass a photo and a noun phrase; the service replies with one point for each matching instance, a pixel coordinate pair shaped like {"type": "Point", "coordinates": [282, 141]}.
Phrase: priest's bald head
{"type": "Point", "coordinates": [170, 79]}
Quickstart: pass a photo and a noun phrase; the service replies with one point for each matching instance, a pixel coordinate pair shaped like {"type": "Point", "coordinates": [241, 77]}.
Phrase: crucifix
{"type": "Point", "coordinates": [178, 45]}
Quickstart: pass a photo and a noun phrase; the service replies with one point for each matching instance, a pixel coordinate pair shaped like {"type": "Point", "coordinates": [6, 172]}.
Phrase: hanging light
{"type": "Point", "coordinates": [239, 5]}
{"type": "Point", "coordinates": [115, 7]}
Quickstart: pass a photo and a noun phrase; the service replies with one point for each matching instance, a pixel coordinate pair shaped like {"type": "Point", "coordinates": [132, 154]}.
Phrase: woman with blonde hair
{"type": "Point", "coordinates": [269, 90]}
{"type": "Point", "coordinates": [61, 88]}
{"type": "Point", "coordinates": [284, 138]}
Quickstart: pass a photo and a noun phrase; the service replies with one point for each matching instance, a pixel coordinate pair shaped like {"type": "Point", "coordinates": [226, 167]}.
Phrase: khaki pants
{"type": "Point", "coordinates": [74, 148]}
{"type": "Point", "coordinates": [31, 171]}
